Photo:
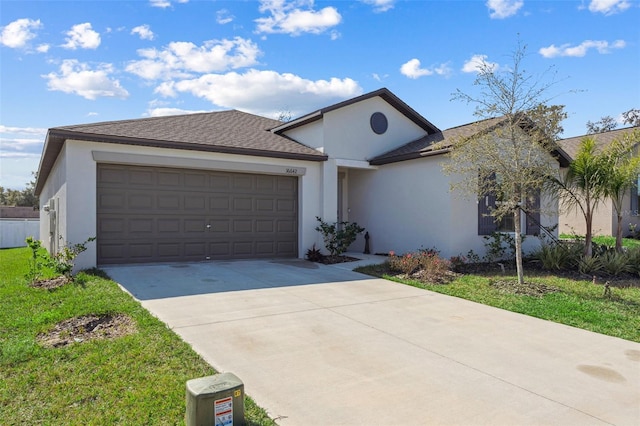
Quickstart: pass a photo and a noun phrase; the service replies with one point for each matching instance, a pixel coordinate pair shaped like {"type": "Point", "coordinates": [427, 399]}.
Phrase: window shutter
{"type": "Point", "coordinates": [486, 222]}
{"type": "Point", "coordinates": [533, 215]}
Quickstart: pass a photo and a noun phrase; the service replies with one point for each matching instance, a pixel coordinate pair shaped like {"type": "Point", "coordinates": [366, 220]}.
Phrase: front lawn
{"type": "Point", "coordinates": [136, 378]}
{"type": "Point", "coordinates": [575, 302]}
{"type": "Point", "coordinates": [605, 240]}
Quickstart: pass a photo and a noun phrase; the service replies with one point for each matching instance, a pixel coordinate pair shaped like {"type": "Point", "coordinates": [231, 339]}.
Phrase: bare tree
{"type": "Point", "coordinates": [605, 124]}
{"type": "Point", "coordinates": [631, 117]}
{"type": "Point", "coordinates": [509, 154]}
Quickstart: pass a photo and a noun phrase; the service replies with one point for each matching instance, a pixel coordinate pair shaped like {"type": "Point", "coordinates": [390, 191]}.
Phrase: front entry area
{"type": "Point", "coordinates": [158, 214]}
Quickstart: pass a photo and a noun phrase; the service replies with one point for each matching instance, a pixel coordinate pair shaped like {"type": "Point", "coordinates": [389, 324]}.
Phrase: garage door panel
{"type": "Point", "coordinates": [152, 214]}
{"type": "Point", "coordinates": [139, 177]}
{"type": "Point", "coordinates": [142, 225]}
{"type": "Point", "coordinates": [242, 226]}
{"type": "Point", "coordinates": [168, 225]}
{"type": "Point", "coordinates": [264, 226]}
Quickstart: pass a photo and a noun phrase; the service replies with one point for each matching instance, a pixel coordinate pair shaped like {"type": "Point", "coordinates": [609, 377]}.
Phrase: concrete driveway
{"type": "Point", "coordinates": [322, 345]}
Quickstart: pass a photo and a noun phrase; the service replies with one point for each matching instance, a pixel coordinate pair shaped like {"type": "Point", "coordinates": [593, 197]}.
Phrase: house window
{"type": "Point", "coordinates": [488, 224]}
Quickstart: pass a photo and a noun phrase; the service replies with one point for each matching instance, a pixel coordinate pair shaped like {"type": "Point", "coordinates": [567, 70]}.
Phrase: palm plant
{"type": "Point", "coordinates": [582, 187]}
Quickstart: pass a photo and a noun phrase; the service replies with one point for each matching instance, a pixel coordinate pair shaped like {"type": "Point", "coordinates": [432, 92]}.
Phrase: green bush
{"type": "Point", "coordinates": [558, 256]}
{"type": "Point", "coordinates": [589, 265]}
{"type": "Point", "coordinates": [615, 263]}
{"type": "Point", "coordinates": [338, 236]}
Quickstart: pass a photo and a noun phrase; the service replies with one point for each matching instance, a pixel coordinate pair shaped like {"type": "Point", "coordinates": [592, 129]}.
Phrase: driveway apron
{"type": "Point", "coordinates": [322, 345]}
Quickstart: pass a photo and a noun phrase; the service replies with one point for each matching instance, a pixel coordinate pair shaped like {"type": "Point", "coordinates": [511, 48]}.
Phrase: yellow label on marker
{"type": "Point", "coordinates": [237, 393]}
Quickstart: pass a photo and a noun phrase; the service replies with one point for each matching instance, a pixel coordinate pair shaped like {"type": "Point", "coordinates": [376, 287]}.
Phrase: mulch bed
{"type": "Point", "coordinates": [52, 283]}
{"type": "Point", "coordinates": [332, 260]}
{"type": "Point", "coordinates": [86, 328]}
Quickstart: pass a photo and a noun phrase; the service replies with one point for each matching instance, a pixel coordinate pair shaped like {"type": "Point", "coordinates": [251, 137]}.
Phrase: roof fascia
{"type": "Point", "coordinates": [383, 93]}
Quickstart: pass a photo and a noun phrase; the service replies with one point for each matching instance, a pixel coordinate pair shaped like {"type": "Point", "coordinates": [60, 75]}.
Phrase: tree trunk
{"type": "Point", "coordinates": [619, 235]}
{"type": "Point", "coordinates": [588, 237]}
{"type": "Point", "coordinates": [518, 239]}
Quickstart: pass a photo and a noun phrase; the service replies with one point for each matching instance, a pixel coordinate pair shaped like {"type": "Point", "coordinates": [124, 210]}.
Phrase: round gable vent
{"type": "Point", "coordinates": [379, 123]}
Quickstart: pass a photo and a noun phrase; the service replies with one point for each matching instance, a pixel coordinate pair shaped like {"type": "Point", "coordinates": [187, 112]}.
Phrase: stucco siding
{"type": "Point", "coordinates": [404, 206]}
{"type": "Point", "coordinates": [348, 134]}
{"type": "Point", "coordinates": [310, 135]}
{"type": "Point", "coordinates": [54, 232]}
{"type": "Point", "coordinates": [77, 193]}
{"type": "Point", "coordinates": [572, 221]}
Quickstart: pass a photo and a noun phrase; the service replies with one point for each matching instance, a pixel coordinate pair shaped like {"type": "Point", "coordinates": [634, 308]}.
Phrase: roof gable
{"type": "Point", "coordinates": [383, 93]}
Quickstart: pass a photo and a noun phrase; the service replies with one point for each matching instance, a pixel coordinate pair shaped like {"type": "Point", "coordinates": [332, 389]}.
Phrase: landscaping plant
{"type": "Point", "coordinates": [338, 236]}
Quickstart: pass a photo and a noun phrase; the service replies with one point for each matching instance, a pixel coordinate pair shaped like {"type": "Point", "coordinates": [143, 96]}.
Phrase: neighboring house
{"type": "Point", "coordinates": [228, 184]}
{"type": "Point", "coordinates": [605, 221]}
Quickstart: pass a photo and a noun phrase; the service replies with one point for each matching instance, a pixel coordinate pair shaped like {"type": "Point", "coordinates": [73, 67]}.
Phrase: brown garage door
{"type": "Point", "coordinates": [157, 214]}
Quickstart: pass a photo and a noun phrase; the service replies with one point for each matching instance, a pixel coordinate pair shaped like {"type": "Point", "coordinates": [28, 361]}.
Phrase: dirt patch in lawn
{"type": "Point", "coordinates": [51, 283]}
{"type": "Point", "coordinates": [526, 289]}
{"type": "Point", "coordinates": [87, 327]}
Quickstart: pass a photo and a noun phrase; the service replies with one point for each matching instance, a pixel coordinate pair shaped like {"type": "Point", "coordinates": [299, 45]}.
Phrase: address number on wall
{"type": "Point", "coordinates": [291, 171]}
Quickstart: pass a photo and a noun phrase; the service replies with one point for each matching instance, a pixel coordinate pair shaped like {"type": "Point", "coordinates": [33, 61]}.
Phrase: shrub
{"type": "Point", "coordinates": [500, 246]}
{"type": "Point", "coordinates": [634, 260]}
{"type": "Point", "coordinates": [338, 236]}
{"type": "Point", "coordinates": [314, 255]}
{"type": "Point", "coordinates": [557, 256]}
{"type": "Point", "coordinates": [425, 265]}
{"type": "Point", "coordinates": [615, 263]}
{"type": "Point", "coordinates": [61, 262]}
{"type": "Point", "coordinates": [589, 265]}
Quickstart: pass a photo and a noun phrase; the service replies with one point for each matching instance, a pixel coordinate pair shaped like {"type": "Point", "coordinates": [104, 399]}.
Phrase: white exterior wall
{"type": "Point", "coordinates": [408, 205]}
{"type": "Point", "coordinates": [348, 134]}
{"type": "Point", "coordinates": [55, 189]}
{"type": "Point", "coordinates": [310, 135]}
{"type": "Point", "coordinates": [75, 187]}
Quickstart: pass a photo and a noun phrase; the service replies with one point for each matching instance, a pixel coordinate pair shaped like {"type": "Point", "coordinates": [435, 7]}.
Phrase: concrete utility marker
{"type": "Point", "coordinates": [322, 345]}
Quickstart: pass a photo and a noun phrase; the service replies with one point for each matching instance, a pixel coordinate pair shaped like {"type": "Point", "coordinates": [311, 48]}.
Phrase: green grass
{"type": "Point", "coordinates": [578, 303]}
{"type": "Point", "coordinates": [606, 240]}
{"type": "Point", "coordinates": [133, 380]}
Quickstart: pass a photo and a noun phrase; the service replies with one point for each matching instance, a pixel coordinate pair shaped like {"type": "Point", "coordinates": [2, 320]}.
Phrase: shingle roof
{"type": "Point", "coordinates": [232, 132]}
{"type": "Point", "coordinates": [571, 145]}
{"type": "Point", "coordinates": [441, 142]}
{"type": "Point", "coordinates": [434, 144]}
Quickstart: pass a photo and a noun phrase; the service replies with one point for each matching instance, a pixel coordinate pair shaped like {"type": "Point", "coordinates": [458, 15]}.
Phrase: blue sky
{"type": "Point", "coordinates": [64, 63]}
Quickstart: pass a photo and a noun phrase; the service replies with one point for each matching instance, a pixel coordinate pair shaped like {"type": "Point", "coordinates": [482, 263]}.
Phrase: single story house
{"type": "Point", "coordinates": [227, 185]}
{"type": "Point", "coordinates": [605, 219]}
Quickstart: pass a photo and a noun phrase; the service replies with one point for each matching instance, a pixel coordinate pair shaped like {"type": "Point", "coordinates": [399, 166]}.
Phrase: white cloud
{"type": "Point", "coordinates": [18, 33]}
{"type": "Point", "coordinates": [82, 36]}
{"type": "Point", "coordinates": [144, 31]}
{"type": "Point", "coordinates": [23, 130]}
{"type": "Point", "coordinates": [267, 92]}
{"type": "Point", "coordinates": [180, 59]}
{"type": "Point", "coordinates": [609, 7]}
{"type": "Point", "coordinates": [43, 48]}
{"type": "Point", "coordinates": [581, 50]}
{"type": "Point", "coordinates": [380, 5]}
{"type": "Point", "coordinates": [478, 63]}
{"type": "Point", "coordinates": [224, 17]}
{"type": "Point", "coordinates": [79, 79]}
{"type": "Point", "coordinates": [163, 112]}
{"type": "Point", "coordinates": [290, 18]}
{"type": "Point", "coordinates": [500, 9]}
{"type": "Point", "coordinates": [164, 3]}
{"type": "Point", "coordinates": [412, 69]}
{"type": "Point", "coordinates": [21, 143]}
